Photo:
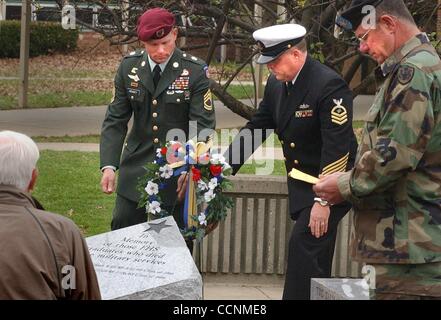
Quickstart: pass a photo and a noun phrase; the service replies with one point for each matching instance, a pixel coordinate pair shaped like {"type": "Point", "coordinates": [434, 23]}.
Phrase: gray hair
{"type": "Point", "coordinates": [18, 158]}
{"type": "Point", "coordinates": [395, 8]}
{"type": "Point", "coordinates": [302, 46]}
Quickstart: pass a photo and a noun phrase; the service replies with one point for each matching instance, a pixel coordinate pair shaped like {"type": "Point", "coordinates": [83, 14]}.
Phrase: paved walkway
{"type": "Point", "coordinates": [87, 120]}
{"type": "Point", "coordinates": [237, 291]}
{"type": "Point", "coordinates": [240, 287]}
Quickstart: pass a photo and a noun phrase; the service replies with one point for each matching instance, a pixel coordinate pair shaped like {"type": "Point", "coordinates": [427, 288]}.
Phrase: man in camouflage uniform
{"type": "Point", "coordinates": [395, 186]}
{"type": "Point", "coordinates": [164, 88]}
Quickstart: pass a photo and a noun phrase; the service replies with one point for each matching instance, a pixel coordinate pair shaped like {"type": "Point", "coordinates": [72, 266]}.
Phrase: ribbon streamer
{"type": "Point", "coordinates": [193, 153]}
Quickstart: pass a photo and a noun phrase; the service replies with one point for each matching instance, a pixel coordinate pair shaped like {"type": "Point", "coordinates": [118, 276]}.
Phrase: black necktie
{"type": "Point", "coordinates": [288, 87]}
{"type": "Point", "coordinates": [156, 74]}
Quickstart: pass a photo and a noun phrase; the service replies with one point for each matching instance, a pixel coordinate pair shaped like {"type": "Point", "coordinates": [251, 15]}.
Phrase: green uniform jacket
{"type": "Point", "coordinates": [182, 95]}
{"type": "Point", "coordinates": [396, 184]}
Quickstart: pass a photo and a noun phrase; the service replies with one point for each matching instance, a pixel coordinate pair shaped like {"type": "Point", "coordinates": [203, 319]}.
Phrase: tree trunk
{"type": "Point", "coordinates": [438, 29]}
{"type": "Point", "coordinates": [231, 102]}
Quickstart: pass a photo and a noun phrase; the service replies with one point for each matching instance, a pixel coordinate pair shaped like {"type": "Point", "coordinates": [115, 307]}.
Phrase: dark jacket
{"type": "Point", "coordinates": [313, 120]}
{"type": "Point", "coordinates": [182, 95]}
{"type": "Point", "coordinates": [38, 249]}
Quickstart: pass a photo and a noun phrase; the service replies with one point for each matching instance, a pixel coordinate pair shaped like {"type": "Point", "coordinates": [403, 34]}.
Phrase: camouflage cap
{"type": "Point", "coordinates": [351, 18]}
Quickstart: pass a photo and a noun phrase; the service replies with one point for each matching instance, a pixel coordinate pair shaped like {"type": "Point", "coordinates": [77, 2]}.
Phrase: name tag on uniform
{"type": "Point", "coordinates": [304, 114]}
{"type": "Point", "coordinates": [132, 92]}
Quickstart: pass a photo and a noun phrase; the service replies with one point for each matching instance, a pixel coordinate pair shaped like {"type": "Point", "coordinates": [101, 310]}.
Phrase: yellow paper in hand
{"type": "Point", "coordinates": [299, 175]}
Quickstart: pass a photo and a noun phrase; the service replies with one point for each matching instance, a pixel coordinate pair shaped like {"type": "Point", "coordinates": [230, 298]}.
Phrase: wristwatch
{"type": "Point", "coordinates": [321, 202]}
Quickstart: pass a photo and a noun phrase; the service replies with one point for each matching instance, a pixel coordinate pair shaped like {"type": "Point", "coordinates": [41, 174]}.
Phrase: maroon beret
{"type": "Point", "coordinates": [155, 23]}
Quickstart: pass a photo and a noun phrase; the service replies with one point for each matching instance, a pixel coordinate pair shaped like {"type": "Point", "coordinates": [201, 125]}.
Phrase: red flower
{"type": "Point", "coordinates": [196, 174]}
{"type": "Point", "coordinates": [164, 151]}
{"type": "Point", "coordinates": [215, 170]}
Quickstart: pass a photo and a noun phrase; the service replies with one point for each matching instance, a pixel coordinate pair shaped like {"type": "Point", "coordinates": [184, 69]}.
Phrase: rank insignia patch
{"type": "Point", "coordinates": [405, 74]}
{"type": "Point", "coordinates": [339, 115]}
{"type": "Point", "coordinates": [208, 103]}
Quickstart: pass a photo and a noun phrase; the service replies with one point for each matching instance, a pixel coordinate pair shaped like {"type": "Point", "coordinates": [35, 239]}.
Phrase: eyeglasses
{"type": "Point", "coordinates": [363, 37]}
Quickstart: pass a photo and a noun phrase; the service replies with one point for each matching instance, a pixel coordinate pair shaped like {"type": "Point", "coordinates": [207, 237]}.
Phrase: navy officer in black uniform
{"type": "Point", "coordinates": [309, 106]}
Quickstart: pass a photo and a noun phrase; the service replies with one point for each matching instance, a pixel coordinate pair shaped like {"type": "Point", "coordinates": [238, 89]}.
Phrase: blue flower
{"type": "Point", "coordinates": [162, 186]}
{"type": "Point", "coordinates": [160, 161]}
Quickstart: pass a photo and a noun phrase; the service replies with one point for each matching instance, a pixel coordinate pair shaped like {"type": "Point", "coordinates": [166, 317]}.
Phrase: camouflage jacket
{"type": "Point", "coordinates": [395, 186]}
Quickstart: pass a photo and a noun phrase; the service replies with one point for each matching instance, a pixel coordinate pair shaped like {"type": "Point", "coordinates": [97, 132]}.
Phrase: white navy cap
{"type": "Point", "coordinates": [274, 40]}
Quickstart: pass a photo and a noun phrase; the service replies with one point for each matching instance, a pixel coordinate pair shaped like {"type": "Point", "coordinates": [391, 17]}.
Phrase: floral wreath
{"type": "Point", "coordinates": [205, 202]}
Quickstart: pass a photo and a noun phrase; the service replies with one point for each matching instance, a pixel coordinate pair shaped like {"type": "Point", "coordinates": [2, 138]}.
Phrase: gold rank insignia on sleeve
{"type": "Point", "coordinates": [336, 166]}
{"type": "Point", "coordinates": [208, 103]}
{"type": "Point", "coordinates": [339, 115]}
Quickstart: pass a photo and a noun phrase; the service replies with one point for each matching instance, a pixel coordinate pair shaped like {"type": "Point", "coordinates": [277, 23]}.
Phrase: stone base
{"type": "Point", "coordinates": [339, 289]}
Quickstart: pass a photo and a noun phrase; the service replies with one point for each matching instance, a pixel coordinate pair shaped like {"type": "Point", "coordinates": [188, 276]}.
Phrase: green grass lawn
{"type": "Point", "coordinates": [56, 100]}
{"type": "Point", "coordinates": [92, 138]}
{"type": "Point", "coordinates": [69, 184]}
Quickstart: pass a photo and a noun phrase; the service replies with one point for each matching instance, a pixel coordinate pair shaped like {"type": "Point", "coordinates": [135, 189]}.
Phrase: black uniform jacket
{"type": "Point", "coordinates": [313, 120]}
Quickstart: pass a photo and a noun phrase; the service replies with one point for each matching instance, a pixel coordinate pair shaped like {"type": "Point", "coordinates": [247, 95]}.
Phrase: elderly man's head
{"type": "Point", "coordinates": [18, 160]}
{"type": "Point", "coordinates": [380, 26]}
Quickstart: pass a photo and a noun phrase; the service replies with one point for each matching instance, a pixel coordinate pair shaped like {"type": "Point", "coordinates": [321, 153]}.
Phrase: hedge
{"type": "Point", "coordinates": [45, 38]}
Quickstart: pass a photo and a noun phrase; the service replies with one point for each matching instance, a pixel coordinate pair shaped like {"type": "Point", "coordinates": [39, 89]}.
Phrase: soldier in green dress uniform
{"type": "Point", "coordinates": [166, 91]}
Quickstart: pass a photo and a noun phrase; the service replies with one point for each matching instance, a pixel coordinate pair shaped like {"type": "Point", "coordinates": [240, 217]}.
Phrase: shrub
{"type": "Point", "coordinates": [45, 38]}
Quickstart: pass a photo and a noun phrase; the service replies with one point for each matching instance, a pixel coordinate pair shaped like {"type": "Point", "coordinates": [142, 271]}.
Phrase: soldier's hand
{"type": "Point", "coordinates": [318, 220]}
{"type": "Point", "coordinates": [327, 188]}
{"type": "Point", "coordinates": [108, 181]}
{"type": "Point", "coordinates": [182, 186]}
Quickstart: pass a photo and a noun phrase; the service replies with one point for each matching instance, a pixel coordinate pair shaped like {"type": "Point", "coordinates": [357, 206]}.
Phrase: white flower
{"type": "Point", "coordinates": [226, 166]}
{"type": "Point", "coordinates": [154, 207]}
{"type": "Point", "coordinates": [202, 185]}
{"type": "Point", "coordinates": [166, 172]}
{"type": "Point", "coordinates": [151, 188]}
{"type": "Point", "coordinates": [202, 219]}
{"type": "Point", "coordinates": [209, 195]}
{"type": "Point", "coordinates": [158, 152]}
{"type": "Point", "coordinates": [217, 158]}
{"type": "Point", "coordinates": [212, 184]}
